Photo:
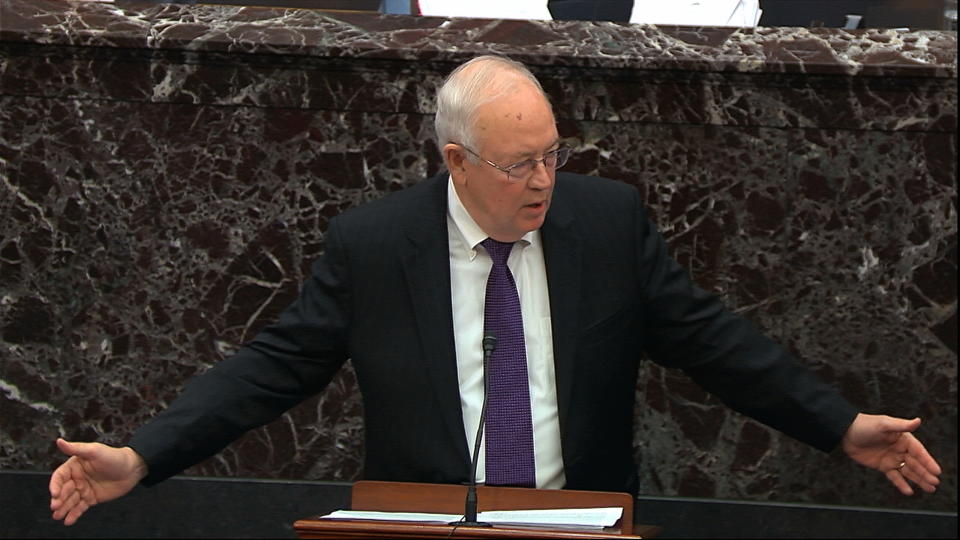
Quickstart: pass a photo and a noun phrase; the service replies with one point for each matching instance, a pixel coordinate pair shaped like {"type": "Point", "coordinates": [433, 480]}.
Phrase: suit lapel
{"type": "Point", "coordinates": [562, 257]}
{"type": "Point", "coordinates": [426, 263]}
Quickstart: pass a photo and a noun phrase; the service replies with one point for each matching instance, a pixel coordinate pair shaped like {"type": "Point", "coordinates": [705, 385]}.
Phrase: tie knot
{"type": "Point", "coordinates": [498, 251]}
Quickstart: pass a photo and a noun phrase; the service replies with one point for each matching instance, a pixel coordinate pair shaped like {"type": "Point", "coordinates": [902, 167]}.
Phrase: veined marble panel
{"type": "Point", "coordinates": [167, 173]}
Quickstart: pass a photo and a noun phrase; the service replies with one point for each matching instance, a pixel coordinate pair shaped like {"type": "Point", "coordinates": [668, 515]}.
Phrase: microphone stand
{"type": "Point", "coordinates": [470, 504]}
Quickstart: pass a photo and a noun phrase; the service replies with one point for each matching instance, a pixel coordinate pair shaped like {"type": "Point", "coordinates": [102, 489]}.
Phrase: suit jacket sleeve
{"type": "Point", "coordinates": [285, 364]}
{"type": "Point", "coordinates": [686, 327]}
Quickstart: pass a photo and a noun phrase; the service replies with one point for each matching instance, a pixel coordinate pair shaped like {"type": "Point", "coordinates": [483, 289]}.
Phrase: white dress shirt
{"type": "Point", "coordinates": [469, 267]}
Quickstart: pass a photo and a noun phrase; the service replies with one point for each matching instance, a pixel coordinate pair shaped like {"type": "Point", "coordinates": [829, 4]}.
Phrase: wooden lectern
{"type": "Point", "coordinates": [448, 499]}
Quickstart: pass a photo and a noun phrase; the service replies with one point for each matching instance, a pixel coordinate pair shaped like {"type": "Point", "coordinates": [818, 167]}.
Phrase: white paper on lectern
{"type": "Point", "coordinates": [553, 517]}
{"type": "Point", "coordinates": [393, 516]}
{"type": "Point", "coordinates": [487, 9]}
{"type": "Point", "coordinates": [697, 12]}
{"type": "Point", "coordinates": [572, 517]}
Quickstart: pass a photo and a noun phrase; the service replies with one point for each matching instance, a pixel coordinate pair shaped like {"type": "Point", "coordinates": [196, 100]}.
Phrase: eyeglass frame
{"type": "Point", "coordinates": [543, 161]}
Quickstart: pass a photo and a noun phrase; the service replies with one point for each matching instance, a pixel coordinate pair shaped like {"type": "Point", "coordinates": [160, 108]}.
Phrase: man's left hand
{"type": "Point", "coordinates": [887, 444]}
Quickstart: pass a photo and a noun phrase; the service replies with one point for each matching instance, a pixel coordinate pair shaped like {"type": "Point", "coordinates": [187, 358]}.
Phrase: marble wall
{"type": "Point", "coordinates": [167, 172]}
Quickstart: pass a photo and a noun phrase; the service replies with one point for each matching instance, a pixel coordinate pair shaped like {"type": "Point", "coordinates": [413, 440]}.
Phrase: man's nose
{"type": "Point", "coordinates": [542, 177]}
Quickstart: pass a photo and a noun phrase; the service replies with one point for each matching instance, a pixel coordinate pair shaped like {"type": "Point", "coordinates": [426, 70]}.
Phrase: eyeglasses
{"type": "Point", "coordinates": [523, 170]}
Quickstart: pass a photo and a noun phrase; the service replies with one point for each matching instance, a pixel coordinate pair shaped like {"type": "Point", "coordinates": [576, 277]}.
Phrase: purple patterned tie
{"type": "Point", "coordinates": [509, 428]}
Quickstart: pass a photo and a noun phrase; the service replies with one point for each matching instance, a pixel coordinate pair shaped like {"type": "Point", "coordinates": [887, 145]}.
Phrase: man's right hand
{"type": "Point", "coordinates": [95, 473]}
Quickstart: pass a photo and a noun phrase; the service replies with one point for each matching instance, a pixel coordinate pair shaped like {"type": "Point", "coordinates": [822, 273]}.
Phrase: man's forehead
{"type": "Point", "coordinates": [517, 123]}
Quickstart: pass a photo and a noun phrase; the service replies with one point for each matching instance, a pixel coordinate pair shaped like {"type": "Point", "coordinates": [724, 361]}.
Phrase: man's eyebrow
{"type": "Point", "coordinates": [553, 146]}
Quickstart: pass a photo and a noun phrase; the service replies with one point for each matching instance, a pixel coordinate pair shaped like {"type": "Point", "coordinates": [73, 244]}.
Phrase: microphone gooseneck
{"type": "Point", "coordinates": [470, 504]}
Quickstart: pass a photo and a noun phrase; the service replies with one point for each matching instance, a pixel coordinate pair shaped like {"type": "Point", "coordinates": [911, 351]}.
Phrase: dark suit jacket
{"type": "Point", "coordinates": [380, 296]}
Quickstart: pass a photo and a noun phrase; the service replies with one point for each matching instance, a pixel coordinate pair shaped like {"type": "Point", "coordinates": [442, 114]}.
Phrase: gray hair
{"type": "Point", "coordinates": [465, 90]}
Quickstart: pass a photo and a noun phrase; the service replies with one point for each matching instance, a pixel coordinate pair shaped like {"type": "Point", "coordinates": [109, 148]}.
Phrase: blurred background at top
{"type": "Point", "coordinates": [913, 14]}
{"type": "Point", "coordinates": [850, 14]}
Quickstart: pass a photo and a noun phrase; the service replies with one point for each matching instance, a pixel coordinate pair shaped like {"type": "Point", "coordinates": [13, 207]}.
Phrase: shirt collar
{"type": "Point", "coordinates": [469, 232]}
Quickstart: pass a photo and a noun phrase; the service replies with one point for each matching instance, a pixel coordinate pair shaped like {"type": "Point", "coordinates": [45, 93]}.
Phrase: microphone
{"type": "Point", "coordinates": [470, 504]}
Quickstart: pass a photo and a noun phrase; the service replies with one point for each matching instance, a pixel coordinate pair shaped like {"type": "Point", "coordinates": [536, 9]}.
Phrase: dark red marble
{"type": "Point", "coordinates": [167, 173]}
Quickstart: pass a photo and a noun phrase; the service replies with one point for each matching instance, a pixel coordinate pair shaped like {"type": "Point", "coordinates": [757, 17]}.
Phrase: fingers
{"type": "Point", "coordinates": [923, 469]}
{"type": "Point", "coordinates": [62, 474]}
{"type": "Point", "coordinates": [75, 498]}
{"type": "Point", "coordinates": [69, 489]}
{"type": "Point", "coordinates": [79, 449]}
{"type": "Point", "coordinates": [64, 446]}
{"type": "Point", "coordinates": [900, 425]}
{"type": "Point", "coordinates": [871, 430]}
{"type": "Point", "coordinates": [57, 500]}
{"type": "Point", "coordinates": [923, 480]}
{"type": "Point", "coordinates": [903, 476]}
{"type": "Point", "coordinates": [917, 451]}
{"type": "Point", "coordinates": [898, 474]}
{"type": "Point", "coordinates": [68, 504]}
{"type": "Point", "coordinates": [912, 464]}
{"type": "Point", "coordinates": [75, 512]}
{"type": "Point", "coordinates": [890, 429]}
{"type": "Point", "coordinates": [897, 478]}
{"type": "Point", "coordinates": [63, 481]}
{"type": "Point", "coordinates": [63, 489]}
{"type": "Point", "coordinates": [57, 481]}
{"type": "Point", "coordinates": [887, 443]}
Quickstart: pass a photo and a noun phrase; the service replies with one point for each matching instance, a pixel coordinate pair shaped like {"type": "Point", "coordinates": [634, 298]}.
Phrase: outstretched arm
{"type": "Point", "coordinates": [95, 473]}
{"type": "Point", "coordinates": [887, 444]}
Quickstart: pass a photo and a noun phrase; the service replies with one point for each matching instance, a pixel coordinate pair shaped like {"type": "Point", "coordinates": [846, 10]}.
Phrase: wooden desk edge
{"type": "Point", "coordinates": [329, 528]}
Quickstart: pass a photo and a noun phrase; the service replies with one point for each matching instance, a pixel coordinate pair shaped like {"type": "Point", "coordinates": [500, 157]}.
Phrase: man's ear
{"type": "Point", "coordinates": [454, 157]}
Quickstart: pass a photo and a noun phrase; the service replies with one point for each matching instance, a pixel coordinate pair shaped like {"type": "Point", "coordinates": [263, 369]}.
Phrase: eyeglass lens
{"type": "Point", "coordinates": [552, 160]}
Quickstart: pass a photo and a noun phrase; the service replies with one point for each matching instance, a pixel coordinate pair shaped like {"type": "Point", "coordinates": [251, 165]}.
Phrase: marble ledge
{"type": "Point", "coordinates": [271, 31]}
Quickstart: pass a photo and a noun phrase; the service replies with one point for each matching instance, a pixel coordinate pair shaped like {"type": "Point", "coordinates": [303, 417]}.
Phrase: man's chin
{"type": "Point", "coordinates": [533, 224]}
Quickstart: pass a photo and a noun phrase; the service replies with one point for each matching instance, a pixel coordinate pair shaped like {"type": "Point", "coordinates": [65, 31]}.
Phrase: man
{"type": "Point", "coordinates": [406, 289]}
